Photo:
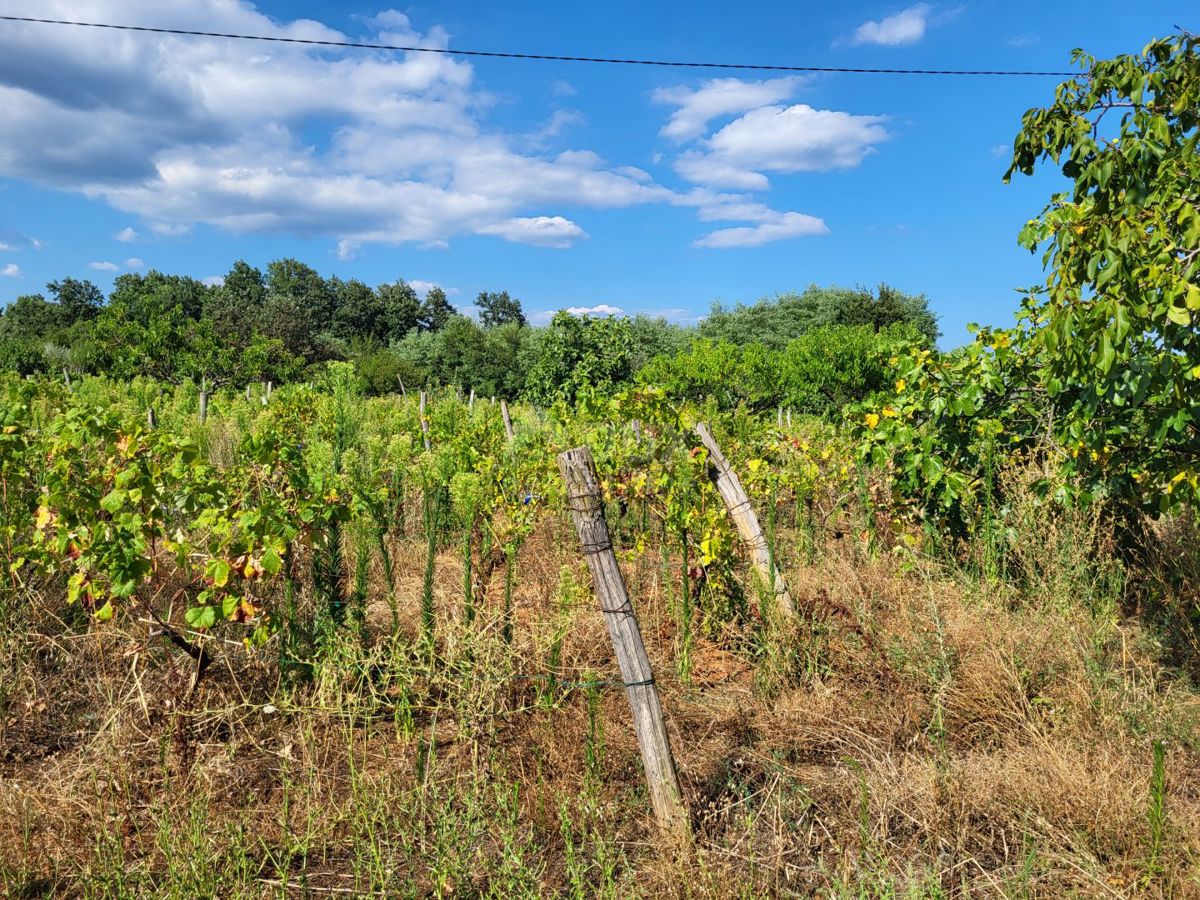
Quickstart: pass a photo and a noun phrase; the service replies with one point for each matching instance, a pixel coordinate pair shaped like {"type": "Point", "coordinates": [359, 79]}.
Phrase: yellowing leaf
{"type": "Point", "coordinates": [1192, 300]}
{"type": "Point", "coordinates": [1179, 315]}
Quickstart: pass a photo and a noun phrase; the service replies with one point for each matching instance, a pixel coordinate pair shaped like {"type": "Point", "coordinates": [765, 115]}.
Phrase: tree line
{"type": "Point", "coordinates": [287, 322]}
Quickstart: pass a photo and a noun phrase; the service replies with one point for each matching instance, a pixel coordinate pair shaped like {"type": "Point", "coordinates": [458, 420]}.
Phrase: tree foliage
{"type": "Point", "coordinates": [776, 322]}
{"type": "Point", "coordinates": [1117, 322]}
{"type": "Point", "coordinates": [497, 308]}
{"type": "Point", "coordinates": [1098, 380]}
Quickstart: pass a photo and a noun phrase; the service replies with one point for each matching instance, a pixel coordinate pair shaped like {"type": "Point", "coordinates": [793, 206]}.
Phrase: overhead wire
{"type": "Point", "coordinates": [545, 57]}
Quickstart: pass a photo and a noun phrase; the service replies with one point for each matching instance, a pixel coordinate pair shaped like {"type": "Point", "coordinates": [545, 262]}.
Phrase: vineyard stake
{"type": "Point", "coordinates": [471, 401]}
{"type": "Point", "coordinates": [738, 504]}
{"type": "Point", "coordinates": [203, 400]}
{"type": "Point", "coordinates": [508, 429]}
{"type": "Point", "coordinates": [151, 419]}
{"type": "Point", "coordinates": [578, 471]}
{"type": "Point", "coordinates": [425, 424]}
{"type": "Point", "coordinates": [403, 392]}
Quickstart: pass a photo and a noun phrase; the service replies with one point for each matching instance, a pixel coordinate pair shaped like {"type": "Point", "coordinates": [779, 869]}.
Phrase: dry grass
{"type": "Point", "coordinates": [914, 734]}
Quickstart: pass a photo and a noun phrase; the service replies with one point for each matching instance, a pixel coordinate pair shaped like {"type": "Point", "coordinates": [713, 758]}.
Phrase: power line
{"type": "Point", "coordinates": [496, 54]}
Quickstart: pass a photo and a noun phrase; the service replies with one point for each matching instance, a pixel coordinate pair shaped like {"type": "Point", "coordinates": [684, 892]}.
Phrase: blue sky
{"type": "Point", "coordinates": [570, 185]}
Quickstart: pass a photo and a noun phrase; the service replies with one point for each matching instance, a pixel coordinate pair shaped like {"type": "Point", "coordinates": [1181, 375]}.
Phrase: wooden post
{"type": "Point", "coordinates": [270, 387]}
{"type": "Point", "coordinates": [583, 499]}
{"type": "Point", "coordinates": [247, 392]}
{"type": "Point", "coordinates": [471, 400]}
{"type": "Point", "coordinates": [67, 378]}
{"type": "Point", "coordinates": [742, 513]}
{"type": "Point", "coordinates": [508, 429]}
{"type": "Point", "coordinates": [203, 400]}
{"type": "Point", "coordinates": [789, 417]}
{"type": "Point", "coordinates": [151, 419]}
{"type": "Point", "coordinates": [425, 424]}
{"type": "Point", "coordinates": [403, 392]}
{"type": "Point", "coordinates": [779, 417]}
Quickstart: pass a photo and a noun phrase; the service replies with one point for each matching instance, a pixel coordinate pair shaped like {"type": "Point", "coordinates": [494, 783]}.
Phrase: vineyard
{"type": "Point", "coordinates": [323, 643]}
{"type": "Point", "coordinates": [790, 604]}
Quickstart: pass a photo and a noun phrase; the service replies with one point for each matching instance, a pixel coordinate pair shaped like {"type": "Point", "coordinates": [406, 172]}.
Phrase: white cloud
{"type": "Point", "coordinates": [1000, 150]}
{"type": "Point", "coordinates": [1022, 40]}
{"type": "Point", "coordinates": [12, 270]}
{"type": "Point", "coordinates": [134, 263]}
{"type": "Point", "coordinates": [126, 235]}
{"type": "Point", "coordinates": [798, 139]}
{"type": "Point", "coordinates": [705, 168]}
{"type": "Point", "coordinates": [7, 248]}
{"type": "Point", "coordinates": [789, 139]}
{"type": "Point", "coordinates": [562, 88]}
{"type": "Point", "coordinates": [542, 231]}
{"type": "Point", "coordinates": [545, 316]}
{"type": "Point", "coordinates": [600, 309]}
{"type": "Point", "coordinates": [185, 131]}
{"type": "Point", "coordinates": [104, 266]}
{"type": "Point", "coordinates": [559, 122]}
{"type": "Point", "coordinates": [422, 287]}
{"type": "Point", "coordinates": [213, 280]}
{"type": "Point", "coordinates": [778, 227]}
{"type": "Point", "coordinates": [905, 27]}
{"type": "Point", "coordinates": [718, 97]}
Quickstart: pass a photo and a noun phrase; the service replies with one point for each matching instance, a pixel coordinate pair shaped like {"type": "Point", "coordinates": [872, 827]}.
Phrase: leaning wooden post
{"type": "Point", "coordinates": [587, 510]}
{"type": "Point", "coordinates": [67, 378]}
{"type": "Point", "coordinates": [403, 392]}
{"type": "Point", "coordinates": [247, 392]}
{"type": "Point", "coordinates": [508, 429]}
{"type": "Point", "coordinates": [742, 513]}
{"type": "Point", "coordinates": [425, 424]}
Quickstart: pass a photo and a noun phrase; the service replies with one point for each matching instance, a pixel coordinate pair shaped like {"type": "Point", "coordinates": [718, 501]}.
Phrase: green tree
{"type": "Point", "coordinates": [497, 308]}
{"type": "Point", "coordinates": [401, 308]}
{"type": "Point", "coordinates": [77, 300]}
{"type": "Point", "coordinates": [577, 353]}
{"type": "Point", "coordinates": [1117, 322]}
{"type": "Point", "coordinates": [774, 322]}
{"type": "Point", "coordinates": [359, 311]}
{"type": "Point", "coordinates": [144, 296]}
{"type": "Point", "coordinates": [436, 311]}
{"type": "Point", "coordinates": [236, 307]}
{"type": "Point", "coordinates": [30, 317]}
{"type": "Point", "coordinates": [144, 333]}
{"type": "Point", "coordinates": [22, 355]}
{"type": "Point", "coordinates": [299, 308]}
